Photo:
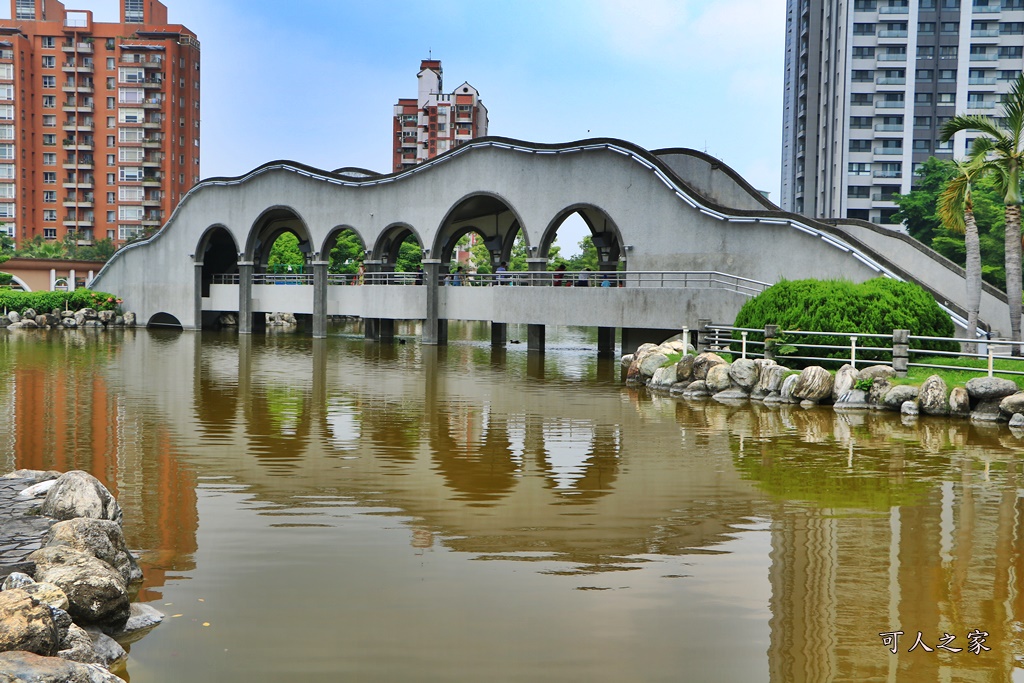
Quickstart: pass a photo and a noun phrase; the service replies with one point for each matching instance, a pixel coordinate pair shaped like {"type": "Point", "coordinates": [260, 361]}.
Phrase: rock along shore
{"type": "Point", "coordinates": [66, 320]}
{"type": "Point", "coordinates": [708, 375]}
{"type": "Point", "coordinates": [67, 581]}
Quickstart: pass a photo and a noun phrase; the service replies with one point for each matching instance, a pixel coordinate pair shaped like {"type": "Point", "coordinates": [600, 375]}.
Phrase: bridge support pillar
{"type": "Point", "coordinates": [435, 330]}
{"type": "Point", "coordinates": [197, 282]}
{"type": "Point", "coordinates": [606, 341]}
{"type": "Point", "coordinates": [319, 299]}
{"type": "Point", "coordinates": [386, 329]}
{"type": "Point", "coordinates": [371, 326]}
{"type": "Point", "coordinates": [371, 329]}
{"type": "Point", "coordinates": [245, 297]}
{"type": "Point", "coordinates": [499, 334]}
{"type": "Point", "coordinates": [535, 338]}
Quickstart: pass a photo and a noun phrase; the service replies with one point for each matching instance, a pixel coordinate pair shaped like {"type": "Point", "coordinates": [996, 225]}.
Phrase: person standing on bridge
{"type": "Point", "coordinates": [583, 279]}
{"type": "Point", "coordinates": [360, 274]}
{"type": "Point", "coordinates": [503, 276]}
{"type": "Point", "coordinates": [560, 276]}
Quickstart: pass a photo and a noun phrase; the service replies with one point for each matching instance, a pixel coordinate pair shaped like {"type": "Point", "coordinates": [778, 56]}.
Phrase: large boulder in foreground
{"type": "Point", "coordinates": [100, 538]}
{"type": "Point", "coordinates": [27, 624]}
{"type": "Point", "coordinates": [934, 396]}
{"type": "Point", "coordinates": [31, 667]}
{"type": "Point", "coordinates": [96, 592]}
{"type": "Point", "coordinates": [986, 394]}
{"type": "Point", "coordinates": [813, 384]}
{"type": "Point", "coordinates": [79, 494]}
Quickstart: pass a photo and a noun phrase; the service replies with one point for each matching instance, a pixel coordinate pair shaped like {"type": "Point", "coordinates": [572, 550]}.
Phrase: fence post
{"type": "Point", "coordinates": [743, 348]}
{"type": "Point", "coordinates": [702, 334]}
{"type": "Point", "coordinates": [770, 332]}
{"type": "Point", "coordinates": [900, 351]}
{"type": "Point", "coordinates": [853, 352]}
{"type": "Point", "coordinates": [991, 361]}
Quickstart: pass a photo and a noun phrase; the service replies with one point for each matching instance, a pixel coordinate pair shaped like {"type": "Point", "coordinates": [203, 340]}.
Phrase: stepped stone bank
{"type": "Point", "coordinates": [67, 581]}
{"type": "Point", "coordinates": [708, 375]}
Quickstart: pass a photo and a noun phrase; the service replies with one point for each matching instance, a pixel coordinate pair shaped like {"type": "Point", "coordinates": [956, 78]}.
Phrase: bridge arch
{"type": "Point", "coordinates": [271, 224]}
{"type": "Point", "coordinates": [389, 244]}
{"type": "Point", "coordinates": [218, 252]}
{"type": "Point", "coordinates": [487, 214]}
{"type": "Point", "coordinates": [349, 250]}
{"type": "Point", "coordinates": [163, 319]}
{"type": "Point", "coordinates": [604, 232]}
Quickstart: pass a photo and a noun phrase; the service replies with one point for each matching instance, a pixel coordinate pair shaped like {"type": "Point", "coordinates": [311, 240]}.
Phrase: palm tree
{"type": "Point", "coordinates": [956, 212]}
{"type": "Point", "coordinates": [1000, 152]}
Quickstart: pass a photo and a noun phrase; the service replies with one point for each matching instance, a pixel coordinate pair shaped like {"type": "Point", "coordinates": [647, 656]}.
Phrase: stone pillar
{"type": "Point", "coordinates": [499, 334]}
{"type": "Point", "coordinates": [71, 281]}
{"type": "Point", "coordinates": [320, 299]}
{"type": "Point", "coordinates": [702, 344]}
{"type": "Point", "coordinates": [245, 297]}
{"type": "Point", "coordinates": [385, 329]}
{"type": "Point", "coordinates": [535, 333]}
{"type": "Point", "coordinates": [606, 341]}
{"type": "Point", "coordinates": [432, 333]}
{"type": "Point", "coordinates": [197, 299]}
{"type": "Point", "coordinates": [371, 326]}
{"type": "Point", "coordinates": [53, 280]}
{"type": "Point", "coordinates": [770, 332]}
{"type": "Point", "coordinates": [900, 351]}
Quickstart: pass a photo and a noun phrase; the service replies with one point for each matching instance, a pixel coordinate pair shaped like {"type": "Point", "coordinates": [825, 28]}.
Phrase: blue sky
{"type": "Point", "coordinates": [315, 80]}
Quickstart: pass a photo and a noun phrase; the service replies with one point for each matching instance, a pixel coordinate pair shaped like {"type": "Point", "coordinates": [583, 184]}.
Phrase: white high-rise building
{"type": "Point", "coordinates": [869, 84]}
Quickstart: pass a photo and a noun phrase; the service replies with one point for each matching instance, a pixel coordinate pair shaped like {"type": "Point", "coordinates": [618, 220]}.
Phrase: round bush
{"type": "Point", "coordinates": [877, 306]}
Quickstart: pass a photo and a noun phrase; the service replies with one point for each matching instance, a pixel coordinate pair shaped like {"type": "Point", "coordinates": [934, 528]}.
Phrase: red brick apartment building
{"type": "Point", "coordinates": [99, 122]}
{"type": "Point", "coordinates": [435, 122]}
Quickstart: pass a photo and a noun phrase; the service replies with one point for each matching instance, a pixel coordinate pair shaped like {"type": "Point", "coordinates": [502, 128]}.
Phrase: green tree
{"type": "Point", "coordinates": [37, 247]}
{"type": "Point", "coordinates": [917, 209]}
{"type": "Point", "coordinates": [6, 245]}
{"type": "Point", "coordinates": [410, 256]}
{"type": "Point", "coordinates": [285, 252]}
{"type": "Point", "coordinates": [956, 209]}
{"type": "Point", "coordinates": [347, 253]}
{"type": "Point", "coordinates": [517, 262]}
{"type": "Point", "coordinates": [1001, 152]}
{"type": "Point", "coordinates": [587, 258]}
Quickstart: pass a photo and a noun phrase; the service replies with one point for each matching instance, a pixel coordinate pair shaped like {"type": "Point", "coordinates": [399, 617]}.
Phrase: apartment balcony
{"type": "Point", "coordinates": [889, 151]}
{"type": "Point", "coordinates": [78, 145]}
{"type": "Point", "coordinates": [81, 48]}
{"type": "Point", "coordinates": [981, 81]}
{"type": "Point", "coordinates": [151, 144]}
{"type": "Point", "coordinates": [883, 197]}
{"type": "Point", "coordinates": [86, 89]}
{"type": "Point", "coordinates": [153, 83]}
{"type": "Point", "coordinates": [152, 103]}
{"type": "Point", "coordinates": [890, 104]}
{"type": "Point", "coordinates": [885, 57]}
{"type": "Point", "coordinates": [70, 203]}
{"type": "Point", "coordinates": [77, 127]}
{"type": "Point", "coordinates": [989, 57]}
{"type": "Point", "coordinates": [151, 202]}
{"type": "Point", "coordinates": [72, 68]}
{"type": "Point", "coordinates": [152, 124]}
{"type": "Point", "coordinates": [892, 34]}
{"type": "Point", "coordinates": [886, 9]}
{"type": "Point", "coordinates": [889, 127]}
{"type": "Point", "coordinates": [83, 185]}
{"type": "Point", "coordinates": [986, 9]}
{"type": "Point", "coordinates": [150, 221]}
{"type": "Point", "coordinates": [888, 174]}
{"type": "Point", "coordinates": [981, 105]}
{"type": "Point", "coordinates": [152, 163]}
{"type": "Point", "coordinates": [152, 181]}
{"type": "Point", "coordinates": [144, 63]}
{"type": "Point", "coordinates": [77, 108]}
{"type": "Point", "coordinates": [985, 33]}
{"type": "Point", "coordinates": [890, 81]}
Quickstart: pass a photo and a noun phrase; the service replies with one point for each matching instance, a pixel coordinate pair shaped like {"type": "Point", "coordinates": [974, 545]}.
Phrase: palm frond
{"type": "Point", "coordinates": [952, 202]}
{"type": "Point", "coordinates": [976, 122]}
{"type": "Point", "coordinates": [1013, 109]}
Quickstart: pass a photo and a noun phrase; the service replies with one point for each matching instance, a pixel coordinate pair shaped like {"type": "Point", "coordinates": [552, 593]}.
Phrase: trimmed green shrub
{"type": "Point", "coordinates": [44, 302]}
{"type": "Point", "coordinates": [877, 306]}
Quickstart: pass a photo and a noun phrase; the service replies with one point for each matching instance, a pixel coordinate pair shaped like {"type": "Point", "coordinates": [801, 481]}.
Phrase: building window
{"type": "Point", "coordinates": [49, 178]}
{"type": "Point", "coordinates": [922, 145]}
{"type": "Point", "coordinates": [948, 27]}
{"type": "Point", "coordinates": [25, 10]}
{"type": "Point", "coordinates": [111, 216]}
{"type": "Point", "coordinates": [131, 193]}
{"type": "Point", "coordinates": [128, 232]}
{"type": "Point", "coordinates": [49, 196]}
{"type": "Point", "coordinates": [130, 213]}
{"type": "Point", "coordinates": [925, 51]}
{"type": "Point", "coordinates": [49, 101]}
{"type": "Point", "coordinates": [49, 215]}
{"type": "Point", "coordinates": [110, 63]}
{"type": "Point", "coordinates": [50, 233]}
{"type": "Point", "coordinates": [858, 192]}
{"type": "Point", "coordinates": [860, 145]}
{"type": "Point", "coordinates": [6, 92]}
{"type": "Point", "coordinates": [6, 150]}
{"type": "Point", "coordinates": [863, 29]}
{"type": "Point", "coordinates": [947, 98]}
{"type": "Point", "coordinates": [131, 95]}
{"type": "Point", "coordinates": [6, 209]}
{"type": "Point", "coordinates": [49, 42]}
{"type": "Point", "coordinates": [922, 122]}
{"type": "Point", "coordinates": [6, 112]}
{"type": "Point", "coordinates": [863, 53]}
{"type": "Point", "coordinates": [49, 139]}
{"type": "Point", "coordinates": [925, 28]}
{"type": "Point", "coordinates": [860, 122]}
{"type": "Point", "coordinates": [130, 134]}
{"type": "Point", "coordinates": [947, 75]}
{"type": "Point", "coordinates": [130, 115]}
{"type": "Point", "coordinates": [133, 13]}
{"type": "Point", "coordinates": [860, 99]}
{"type": "Point", "coordinates": [111, 198]}
{"type": "Point", "coordinates": [49, 61]}
{"type": "Point", "coordinates": [7, 171]}
{"type": "Point", "coordinates": [7, 190]}
{"type": "Point", "coordinates": [924, 75]}
{"type": "Point", "coordinates": [130, 174]}
{"type": "Point", "coordinates": [131, 74]}
{"type": "Point", "coordinates": [49, 81]}
{"type": "Point", "coordinates": [49, 121]}
{"type": "Point", "coordinates": [859, 169]}
{"type": "Point", "coordinates": [7, 72]}
{"type": "Point", "coordinates": [948, 52]}
{"type": "Point", "coordinates": [1011, 51]}
{"type": "Point", "coordinates": [49, 158]}
{"type": "Point", "coordinates": [1011, 28]}
{"type": "Point", "coordinates": [862, 76]}
{"type": "Point", "coordinates": [7, 131]}
{"type": "Point", "coordinates": [129, 154]}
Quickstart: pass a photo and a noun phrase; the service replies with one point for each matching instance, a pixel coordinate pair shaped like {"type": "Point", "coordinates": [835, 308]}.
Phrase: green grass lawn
{"type": "Point", "coordinates": [953, 378]}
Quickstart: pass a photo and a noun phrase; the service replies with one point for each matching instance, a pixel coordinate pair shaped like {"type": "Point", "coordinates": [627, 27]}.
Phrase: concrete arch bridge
{"type": "Point", "coordinates": [681, 236]}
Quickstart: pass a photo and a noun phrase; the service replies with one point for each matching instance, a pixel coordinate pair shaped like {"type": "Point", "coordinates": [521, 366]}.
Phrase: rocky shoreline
{"type": "Point", "coordinates": [67, 581]}
{"type": "Point", "coordinates": [66, 320]}
{"type": "Point", "coordinates": [708, 375]}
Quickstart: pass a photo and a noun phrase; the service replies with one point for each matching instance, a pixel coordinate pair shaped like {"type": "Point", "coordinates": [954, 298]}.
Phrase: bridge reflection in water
{"type": "Point", "coordinates": [830, 528]}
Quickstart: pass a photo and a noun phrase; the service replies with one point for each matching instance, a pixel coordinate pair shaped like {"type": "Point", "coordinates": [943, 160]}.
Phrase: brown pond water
{"type": "Point", "coordinates": [343, 510]}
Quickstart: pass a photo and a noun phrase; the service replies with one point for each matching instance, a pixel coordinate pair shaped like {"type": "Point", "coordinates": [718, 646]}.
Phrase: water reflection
{"type": "Point", "coordinates": [870, 523]}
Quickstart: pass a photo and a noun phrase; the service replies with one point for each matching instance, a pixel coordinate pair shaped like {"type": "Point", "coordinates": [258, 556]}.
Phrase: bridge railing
{"type": "Point", "coordinates": [705, 279]}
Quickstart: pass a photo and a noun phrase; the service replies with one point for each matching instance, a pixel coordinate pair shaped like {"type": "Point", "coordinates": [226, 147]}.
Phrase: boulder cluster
{"type": "Point", "coordinates": [65, 616]}
{"type": "Point", "coordinates": [66, 320]}
{"type": "Point", "coordinates": [984, 399]}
